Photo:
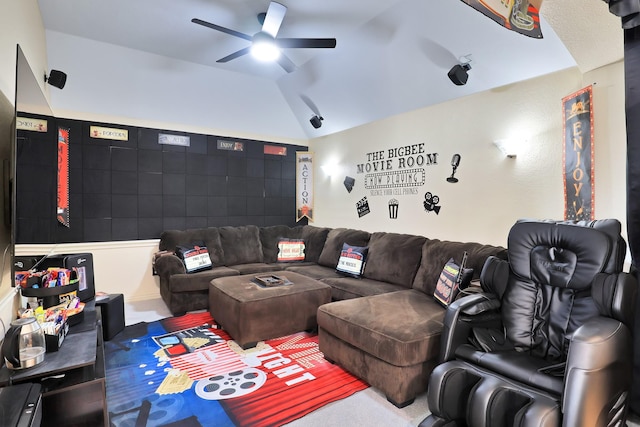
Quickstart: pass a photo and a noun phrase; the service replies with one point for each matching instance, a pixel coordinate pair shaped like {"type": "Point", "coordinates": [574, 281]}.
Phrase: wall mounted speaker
{"type": "Point", "coordinates": [316, 121]}
{"type": "Point", "coordinates": [56, 78]}
{"type": "Point", "coordinates": [459, 74]}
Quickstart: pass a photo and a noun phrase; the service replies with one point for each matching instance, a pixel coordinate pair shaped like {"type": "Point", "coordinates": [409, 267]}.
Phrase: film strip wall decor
{"type": "Point", "coordinates": [62, 209]}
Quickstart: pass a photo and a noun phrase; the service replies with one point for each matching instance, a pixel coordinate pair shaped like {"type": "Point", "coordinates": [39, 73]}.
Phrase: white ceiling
{"type": "Point", "coordinates": [392, 56]}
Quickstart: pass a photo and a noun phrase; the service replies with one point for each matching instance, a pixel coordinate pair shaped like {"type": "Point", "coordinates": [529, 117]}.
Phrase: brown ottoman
{"type": "Point", "coordinates": [251, 313]}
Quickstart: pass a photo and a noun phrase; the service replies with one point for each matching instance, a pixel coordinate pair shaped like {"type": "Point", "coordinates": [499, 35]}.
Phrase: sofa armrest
{"type": "Point", "coordinates": [461, 316]}
{"type": "Point", "coordinates": [600, 358]}
{"type": "Point", "coordinates": [167, 265]}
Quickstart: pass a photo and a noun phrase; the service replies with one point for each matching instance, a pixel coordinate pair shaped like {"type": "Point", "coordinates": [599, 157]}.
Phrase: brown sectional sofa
{"type": "Point", "coordinates": [384, 327]}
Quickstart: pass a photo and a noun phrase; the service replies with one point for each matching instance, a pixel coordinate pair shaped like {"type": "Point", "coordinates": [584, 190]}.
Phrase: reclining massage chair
{"type": "Point", "coordinates": [547, 342]}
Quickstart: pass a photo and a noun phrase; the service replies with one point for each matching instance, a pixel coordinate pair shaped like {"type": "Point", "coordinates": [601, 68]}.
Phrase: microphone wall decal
{"type": "Point", "coordinates": [455, 162]}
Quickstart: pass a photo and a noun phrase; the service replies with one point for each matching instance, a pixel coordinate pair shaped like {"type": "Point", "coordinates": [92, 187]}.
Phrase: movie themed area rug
{"type": "Point", "coordinates": [184, 372]}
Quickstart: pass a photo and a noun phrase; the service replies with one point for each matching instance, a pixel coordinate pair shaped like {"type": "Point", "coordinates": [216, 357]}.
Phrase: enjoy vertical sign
{"type": "Point", "coordinates": [304, 185]}
{"type": "Point", "coordinates": [577, 157]}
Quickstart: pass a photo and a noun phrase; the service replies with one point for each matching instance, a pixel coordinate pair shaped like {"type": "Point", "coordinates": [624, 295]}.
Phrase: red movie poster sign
{"type": "Point", "coordinates": [62, 211]}
{"type": "Point", "coordinates": [521, 16]}
{"type": "Point", "coordinates": [578, 155]}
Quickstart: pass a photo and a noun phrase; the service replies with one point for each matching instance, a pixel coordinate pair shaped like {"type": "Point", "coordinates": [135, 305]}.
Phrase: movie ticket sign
{"type": "Point", "coordinates": [291, 250]}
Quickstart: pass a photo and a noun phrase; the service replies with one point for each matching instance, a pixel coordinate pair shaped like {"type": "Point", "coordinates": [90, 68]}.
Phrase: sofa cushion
{"type": "Point", "coordinates": [314, 238]}
{"type": "Point", "coordinates": [349, 287]}
{"type": "Point", "coordinates": [255, 267]}
{"type": "Point", "coordinates": [195, 257]}
{"type": "Point", "coordinates": [436, 253]}
{"type": "Point", "coordinates": [185, 282]}
{"type": "Point", "coordinates": [401, 328]}
{"type": "Point", "coordinates": [394, 258]}
{"type": "Point", "coordinates": [335, 239]}
{"type": "Point", "coordinates": [241, 244]}
{"type": "Point", "coordinates": [352, 261]}
{"type": "Point", "coordinates": [314, 271]}
{"type": "Point", "coordinates": [170, 239]}
{"type": "Point", "coordinates": [271, 235]}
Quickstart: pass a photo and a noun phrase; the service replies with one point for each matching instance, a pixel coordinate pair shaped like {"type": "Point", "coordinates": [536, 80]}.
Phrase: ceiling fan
{"type": "Point", "coordinates": [265, 42]}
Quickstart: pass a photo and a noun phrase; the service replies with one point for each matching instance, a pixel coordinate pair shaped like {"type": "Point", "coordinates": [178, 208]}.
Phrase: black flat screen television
{"type": "Point", "coordinates": [30, 101]}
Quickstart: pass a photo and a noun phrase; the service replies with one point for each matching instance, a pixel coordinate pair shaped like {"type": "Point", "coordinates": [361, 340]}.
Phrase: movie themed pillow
{"type": "Point", "coordinates": [352, 260]}
{"type": "Point", "coordinates": [290, 250]}
{"type": "Point", "coordinates": [449, 284]}
{"type": "Point", "coordinates": [195, 258]}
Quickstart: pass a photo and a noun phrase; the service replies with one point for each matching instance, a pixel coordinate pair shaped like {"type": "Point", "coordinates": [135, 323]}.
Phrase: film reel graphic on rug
{"type": "Point", "coordinates": [231, 385]}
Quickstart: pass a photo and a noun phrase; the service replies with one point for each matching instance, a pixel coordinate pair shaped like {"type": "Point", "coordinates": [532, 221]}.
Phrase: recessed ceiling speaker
{"type": "Point", "coordinates": [316, 121]}
{"type": "Point", "coordinates": [56, 78]}
{"type": "Point", "coordinates": [459, 74]}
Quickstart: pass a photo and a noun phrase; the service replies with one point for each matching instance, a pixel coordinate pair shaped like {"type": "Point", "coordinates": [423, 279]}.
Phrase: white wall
{"type": "Point", "coordinates": [493, 191]}
{"type": "Point", "coordinates": [21, 23]}
{"type": "Point", "coordinates": [119, 267]}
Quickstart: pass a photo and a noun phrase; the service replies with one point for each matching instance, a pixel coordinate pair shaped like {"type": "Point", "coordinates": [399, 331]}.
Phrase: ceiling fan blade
{"type": "Point", "coordinates": [273, 19]}
{"type": "Point", "coordinates": [306, 43]}
{"type": "Point", "coordinates": [286, 63]}
{"type": "Point", "coordinates": [234, 55]}
{"type": "Point", "coordinates": [222, 29]}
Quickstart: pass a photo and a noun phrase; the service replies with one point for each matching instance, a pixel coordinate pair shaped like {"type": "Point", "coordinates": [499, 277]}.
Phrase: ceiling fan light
{"type": "Point", "coordinates": [264, 48]}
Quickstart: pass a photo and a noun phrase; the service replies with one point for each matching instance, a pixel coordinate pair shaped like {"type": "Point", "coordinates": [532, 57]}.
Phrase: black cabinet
{"type": "Point", "coordinates": [73, 378]}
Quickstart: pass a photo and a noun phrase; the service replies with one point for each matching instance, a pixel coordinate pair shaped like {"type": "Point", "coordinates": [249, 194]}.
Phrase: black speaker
{"type": "Point", "coordinates": [57, 79]}
{"type": "Point", "coordinates": [112, 312]}
{"type": "Point", "coordinates": [316, 121]}
{"type": "Point", "coordinates": [458, 74]}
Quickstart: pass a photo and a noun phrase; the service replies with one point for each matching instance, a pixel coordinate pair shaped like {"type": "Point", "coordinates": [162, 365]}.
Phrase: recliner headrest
{"type": "Point", "coordinates": [611, 227]}
{"type": "Point", "coordinates": [556, 254]}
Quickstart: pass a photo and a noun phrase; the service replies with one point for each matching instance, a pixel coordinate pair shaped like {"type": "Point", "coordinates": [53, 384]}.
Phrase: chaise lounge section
{"type": "Point", "coordinates": [392, 340]}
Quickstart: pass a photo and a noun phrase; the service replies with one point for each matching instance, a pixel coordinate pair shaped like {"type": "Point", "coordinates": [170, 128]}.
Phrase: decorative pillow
{"type": "Point", "coordinates": [290, 250]}
{"type": "Point", "coordinates": [352, 260]}
{"type": "Point", "coordinates": [195, 258]}
{"type": "Point", "coordinates": [448, 287]}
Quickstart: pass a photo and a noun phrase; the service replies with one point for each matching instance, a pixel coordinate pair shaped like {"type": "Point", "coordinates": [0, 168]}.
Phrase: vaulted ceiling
{"type": "Point", "coordinates": [392, 56]}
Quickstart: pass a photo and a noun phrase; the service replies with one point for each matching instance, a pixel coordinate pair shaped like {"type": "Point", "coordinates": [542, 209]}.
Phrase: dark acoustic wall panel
{"type": "Point", "coordinates": [135, 189]}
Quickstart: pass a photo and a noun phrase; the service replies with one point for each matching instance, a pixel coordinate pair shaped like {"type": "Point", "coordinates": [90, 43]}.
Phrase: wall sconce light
{"type": "Point", "coordinates": [56, 78]}
{"type": "Point", "coordinates": [330, 169]}
{"type": "Point", "coordinates": [507, 147]}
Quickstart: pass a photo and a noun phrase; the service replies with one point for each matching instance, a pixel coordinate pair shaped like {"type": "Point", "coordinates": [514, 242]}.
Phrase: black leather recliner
{"type": "Point", "coordinates": [548, 340]}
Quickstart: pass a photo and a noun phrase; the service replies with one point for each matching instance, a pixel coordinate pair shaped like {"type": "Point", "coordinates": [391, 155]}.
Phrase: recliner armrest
{"type": "Point", "coordinates": [168, 265]}
{"type": "Point", "coordinates": [460, 317]}
{"type": "Point", "coordinates": [600, 358]}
